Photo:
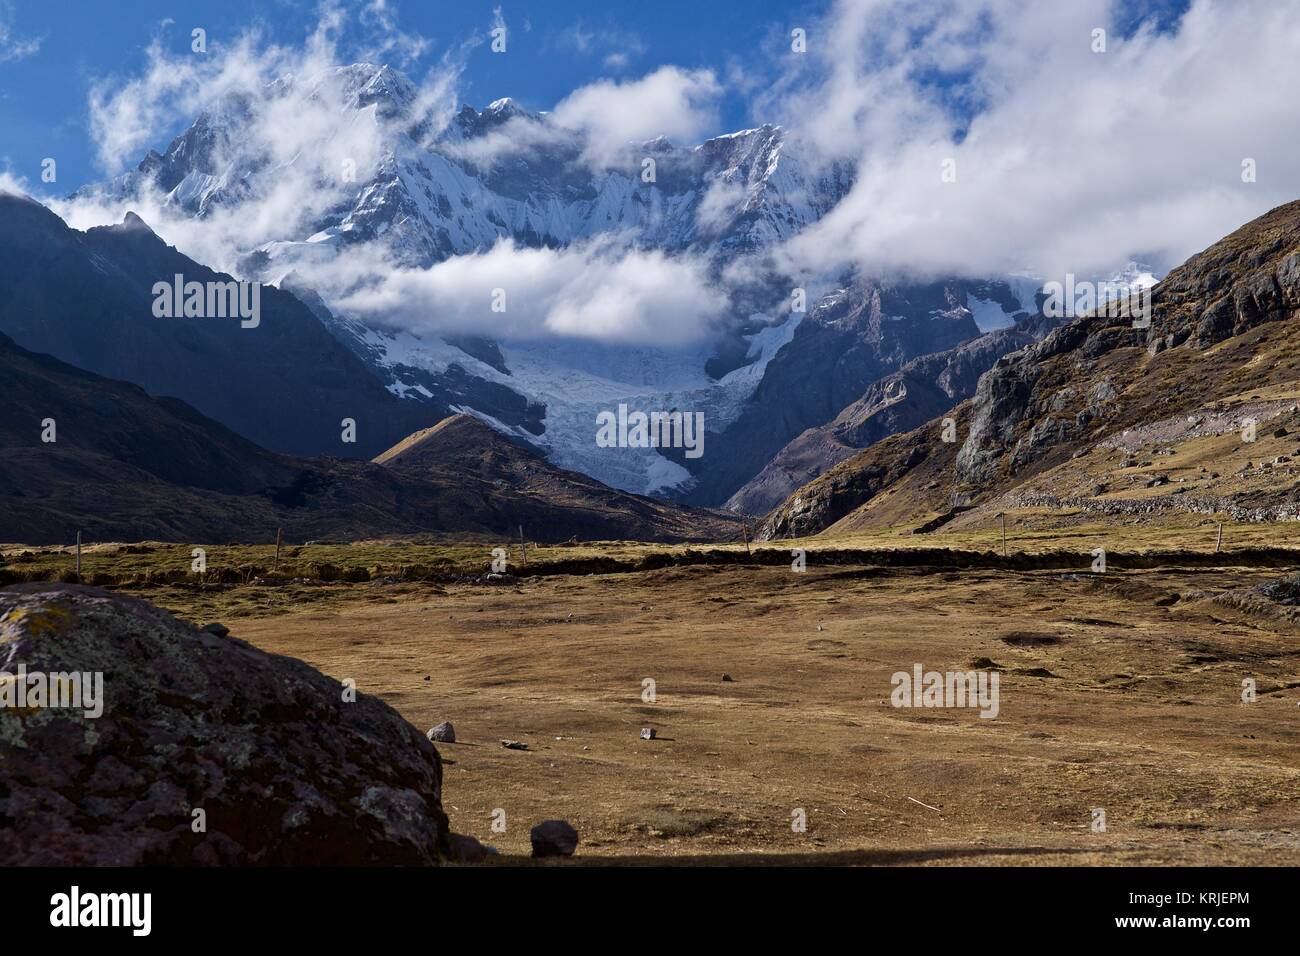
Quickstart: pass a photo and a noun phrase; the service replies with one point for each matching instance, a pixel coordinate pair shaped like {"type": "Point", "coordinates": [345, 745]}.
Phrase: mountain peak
{"type": "Point", "coordinates": [18, 197]}
{"type": "Point", "coordinates": [452, 435]}
{"type": "Point", "coordinates": [503, 109]}
{"type": "Point", "coordinates": [131, 223]}
{"type": "Point", "coordinates": [383, 85]}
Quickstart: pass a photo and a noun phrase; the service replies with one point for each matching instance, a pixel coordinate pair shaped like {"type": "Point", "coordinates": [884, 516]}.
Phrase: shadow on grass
{"type": "Point", "coordinates": [830, 858]}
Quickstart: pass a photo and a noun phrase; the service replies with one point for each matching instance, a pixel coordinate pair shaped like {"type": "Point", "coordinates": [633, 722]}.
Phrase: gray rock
{"type": "Point", "coordinates": [466, 849]}
{"type": "Point", "coordinates": [648, 733]}
{"type": "Point", "coordinates": [514, 745]}
{"type": "Point", "coordinates": [444, 733]}
{"type": "Point", "coordinates": [553, 838]}
{"type": "Point", "coordinates": [286, 771]}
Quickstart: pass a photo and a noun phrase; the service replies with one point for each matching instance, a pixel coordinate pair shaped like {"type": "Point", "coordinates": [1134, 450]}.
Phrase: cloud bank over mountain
{"type": "Point", "coordinates": [592, 290]}
{"type": "Point", "coordinates": [965, 158]}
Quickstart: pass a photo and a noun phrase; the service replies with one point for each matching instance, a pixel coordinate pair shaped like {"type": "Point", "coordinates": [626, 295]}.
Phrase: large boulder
{"type": "Point", "coordinates": [284, 769]}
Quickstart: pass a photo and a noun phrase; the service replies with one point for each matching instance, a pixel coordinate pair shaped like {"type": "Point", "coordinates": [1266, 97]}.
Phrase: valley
{"type": "Point", "coordinates": [1120, 691]}
{"type": "Point", "coordinates": [855, 436]}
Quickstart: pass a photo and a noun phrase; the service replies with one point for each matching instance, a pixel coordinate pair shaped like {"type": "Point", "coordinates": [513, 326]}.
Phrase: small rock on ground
{"type": "Point", "coordinates": [553, 838]}
{"type": "Point", "coordinates": [444, 733]}
{"type": "Point", "coordinates": [465, 849]}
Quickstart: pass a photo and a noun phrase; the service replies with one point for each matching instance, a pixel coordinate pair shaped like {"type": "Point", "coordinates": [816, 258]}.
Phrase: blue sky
{"type": "Point", "coordinates": [553, 48]}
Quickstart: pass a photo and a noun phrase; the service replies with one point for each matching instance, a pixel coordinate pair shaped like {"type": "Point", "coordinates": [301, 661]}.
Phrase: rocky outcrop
{"type": "Point", "coordinates": [207, 751]}
{"type": "Point", "coordinates": [922, 389]}
{"type": "Point", "coordinates": [554, 838]}
{"type": "Point", "coordinates": [852, 338]}
{"type": "Point", "coordinates": [851, 484]}
{"type": "Point", "coordinates": [1077, 380]}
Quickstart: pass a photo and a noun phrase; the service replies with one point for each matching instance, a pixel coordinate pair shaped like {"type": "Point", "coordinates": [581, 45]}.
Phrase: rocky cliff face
{"type": "Point", "coordinates": [207, 751]}
{"type": "Point", "coordinates": [1089, 376]}
{"type": "Point", "coordinates": [858, 336]}
{"type": "Point", "coordinates": [1065, 417]}
{"type": "Point", "coordinates": [922, 389]}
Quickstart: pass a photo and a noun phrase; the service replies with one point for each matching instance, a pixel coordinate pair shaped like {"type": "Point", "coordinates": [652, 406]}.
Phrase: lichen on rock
{"type": "Point", "coordinates": [208, 750]}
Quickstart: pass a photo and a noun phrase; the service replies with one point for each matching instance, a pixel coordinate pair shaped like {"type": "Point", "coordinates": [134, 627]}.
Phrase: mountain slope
{"type": "Point", "coordinates": [88, 298]}
{"type": "Point", "coordinates": [517, 481]}
{"type": "Point", "coordinates": [1195, 414]}
{"type": "Point", "coordinates": [126, 466]}
{"type": "Point", "coordinates": [922, 389]}
{"type": "Point", "coordinates": [849, 340]}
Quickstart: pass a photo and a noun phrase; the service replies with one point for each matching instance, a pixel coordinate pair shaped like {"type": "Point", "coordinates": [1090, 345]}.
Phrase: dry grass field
{"type": "Point", "coordinates": [1119, 691]}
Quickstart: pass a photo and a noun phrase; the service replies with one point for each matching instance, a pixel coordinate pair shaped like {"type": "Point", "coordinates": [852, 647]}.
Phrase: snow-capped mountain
{"type": "Point", "coordinates": [502, 173]}
{"type": "Point", "coordinates": [427, 191]}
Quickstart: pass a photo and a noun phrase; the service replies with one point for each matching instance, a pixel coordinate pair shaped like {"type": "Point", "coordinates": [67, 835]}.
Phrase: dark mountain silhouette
{"type": "Point", "coordinates": [127, 466]}
{"type": "Point", "coordinates": [87, 298]}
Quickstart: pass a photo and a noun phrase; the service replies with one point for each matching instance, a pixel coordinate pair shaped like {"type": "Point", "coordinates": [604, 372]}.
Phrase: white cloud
{"type": "Point", "coordinates": [12, 46]}
{"type": "Point", "coordinates": [295, 148]}
{"type": "Point", "coordinates": [517, 136]}
{"type": "Point", "coordinates": [597, 290]}
{"type": "Point", "coordinates": [290, 132]}
{"type": "Point", "coordinates": [719, 203]}
{"type": "Point", "coordinates": [672, 102]}
{"type": "Point", "coordinates": [1074, 161]}
{"type": "Point", "coordinates": [607, 120]}
{"type": "Point", "coordinates": [9, 183]}
{"type": "Point", "coordinates": [619, 47]}
{"type": "Point", "coordinates": [393, 44]}
{"type": "Point", "coordinates": [578, 38]}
